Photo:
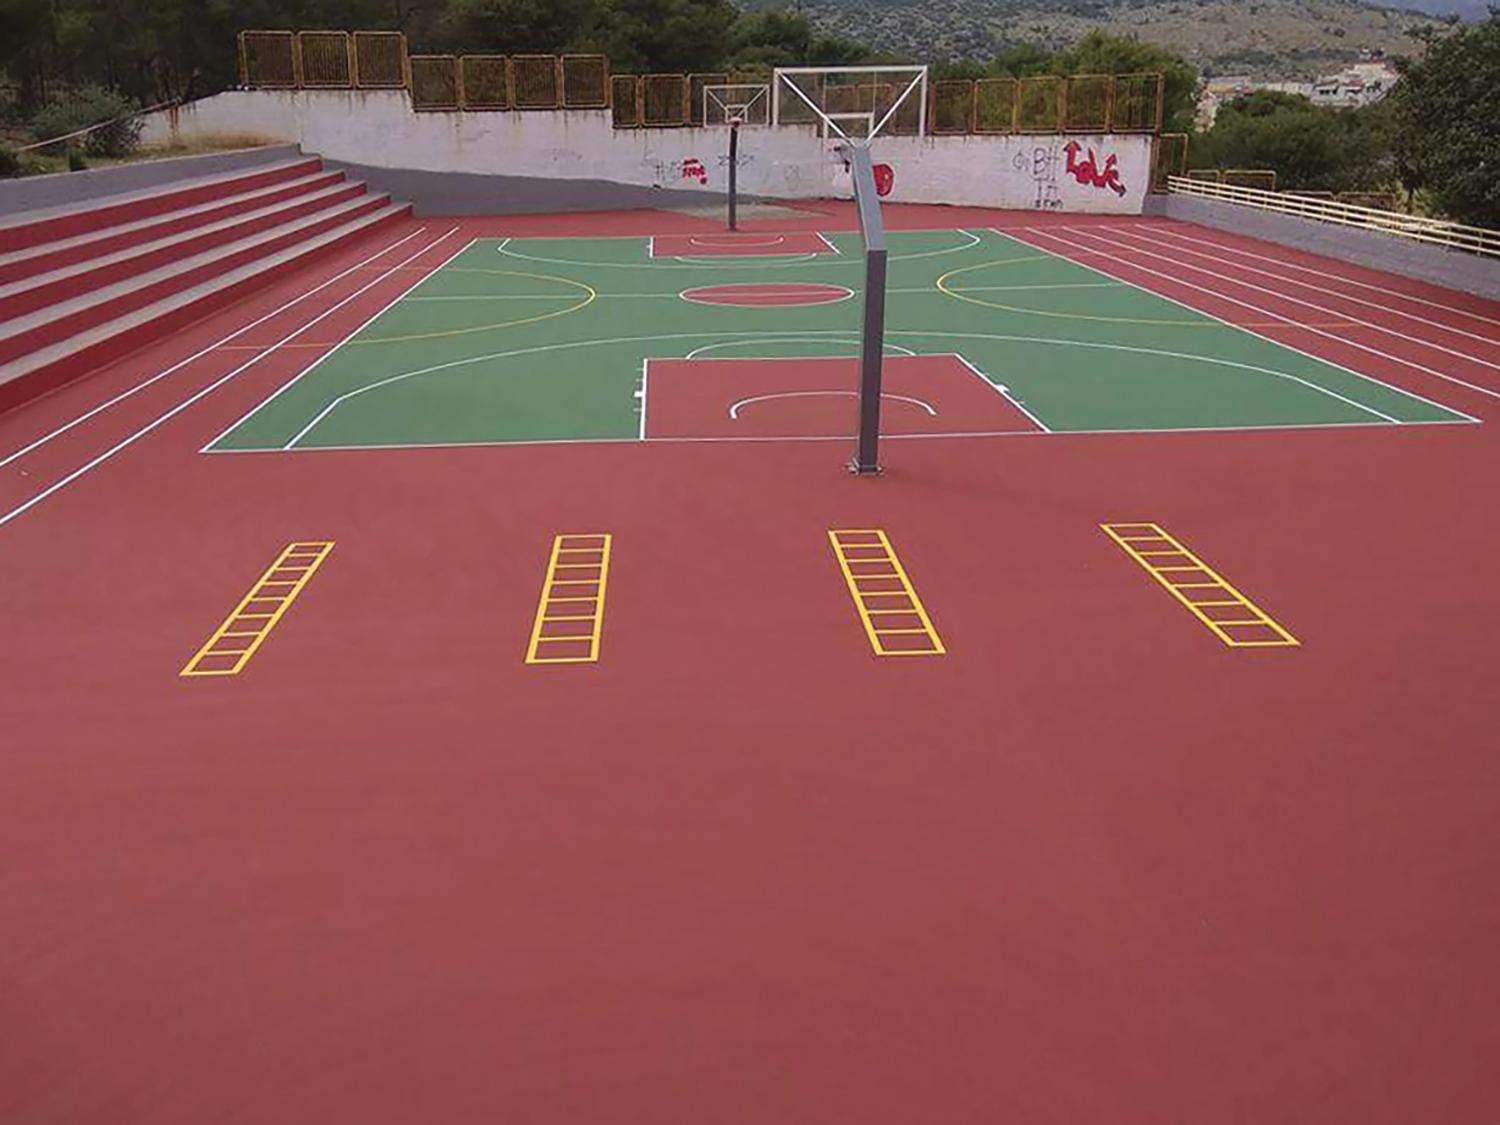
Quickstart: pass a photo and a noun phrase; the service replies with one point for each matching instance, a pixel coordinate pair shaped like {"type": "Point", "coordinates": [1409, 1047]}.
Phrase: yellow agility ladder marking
{"type": "Point", "coordinates": [892, 614]}
{"type": "Point", "coordinates": [1233, 618]}
{"type": "Point", "coordinates": [570, 612]}
{"type": "Point", "coordinates": [245, 630]}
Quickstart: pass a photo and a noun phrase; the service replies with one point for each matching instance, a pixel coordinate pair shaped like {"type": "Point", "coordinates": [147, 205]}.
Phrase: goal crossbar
{"type": "Point", "coordinates": [785, 76]}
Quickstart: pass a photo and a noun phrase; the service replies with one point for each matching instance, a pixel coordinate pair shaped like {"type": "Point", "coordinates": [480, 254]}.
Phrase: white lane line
{"type": "Point", "coordinates": [180, 407]}
{"type": "Point", "coordinates": [1251, 332]}
{"type": "Point", "coordinates": [1284, 296]}
{"type": "Point", "coordinates": [1339, 277]}
{"type": "Point", "coordinates": [348, 336]}
{"type": "Point", "coordinates": [123, 395]}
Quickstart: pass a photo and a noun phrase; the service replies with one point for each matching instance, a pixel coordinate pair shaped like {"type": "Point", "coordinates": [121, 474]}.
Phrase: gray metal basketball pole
{"type": "Point", "coordinates": [872, 337]}
{"type": "Point", "coordinates": [734, 168]}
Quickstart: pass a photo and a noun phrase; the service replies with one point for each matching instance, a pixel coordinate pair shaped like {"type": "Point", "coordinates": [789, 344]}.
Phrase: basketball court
{"type": "Point", "coordinates": [464, 681]}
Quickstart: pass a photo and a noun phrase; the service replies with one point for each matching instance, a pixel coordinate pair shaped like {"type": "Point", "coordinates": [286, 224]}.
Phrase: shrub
{"type": "Point", "coordinates": [10, 162]}
{"type": "Point", "coordinates": [76, 162]}
{"type": "Point", "coordinates": [91, 105]}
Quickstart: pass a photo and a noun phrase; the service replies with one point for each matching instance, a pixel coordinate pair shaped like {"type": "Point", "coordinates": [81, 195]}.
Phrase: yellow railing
{"type": "Point", "coordinates": [340, 60]}
{"type": "Point", "coordinates": [1418, 228]}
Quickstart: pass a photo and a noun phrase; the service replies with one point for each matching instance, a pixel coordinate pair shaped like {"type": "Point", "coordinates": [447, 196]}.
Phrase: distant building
{"type": "Point", "coordinates": [1361, 84]}
{"type": "Point", "coordinates": [1217, 91]}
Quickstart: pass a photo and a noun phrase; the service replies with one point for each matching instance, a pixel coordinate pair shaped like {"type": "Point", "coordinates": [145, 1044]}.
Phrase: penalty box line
{"type": "Point", "coordinates": [999, 390]}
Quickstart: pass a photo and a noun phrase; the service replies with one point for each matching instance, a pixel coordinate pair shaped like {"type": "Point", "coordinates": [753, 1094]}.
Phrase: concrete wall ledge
{"type": "Point", "coordinates": [1452, 269]}
{"type": "Point", "coordinates": [62, 188]}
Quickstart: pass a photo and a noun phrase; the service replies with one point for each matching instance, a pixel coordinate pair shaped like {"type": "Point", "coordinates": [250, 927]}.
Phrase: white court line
{"type": "Point", "coordinates": [123, 395]}
{"type": "Point", "coordinates": [777, 261]}
{"type": "Point", "coordinates": [1018, 288]}
{"type": "Point", "coordinates": [760, 341]}
{"type": "Point", "coordinates": [572, 344]}
{"type": "Point", "coordinates": [678, 295]}
{"type": "Point", "coordinates": [695, 240]}
{"type": "Point", "coordinates": [348, 336]}
{"type": "Point", "coordinates": [1283, 296]}
{"type": "Point", "coordinates": [743, 262]}
{"type": "Point", "coordinates": [1264, 428]}
{"type": "Point", "coordinates": [1003, 392]}
{"type": "Point", "coordinates": [645, 371]}
{"type": "Point", "coordinates": [1339, 277]}
{"type": "Point", "coordinates": [827, 242]}
{"type": "Point", "coordinates": [190, 400]}
{"type": "Point", "coordinates": [1241, 328]}
{"type": "Point", "coordinates": [734, 408]}
{"type": "Point", "coordinates": [753, 289]}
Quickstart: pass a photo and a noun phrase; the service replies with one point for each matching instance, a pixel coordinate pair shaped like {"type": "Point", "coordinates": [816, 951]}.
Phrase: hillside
{"type": "Point", "coordinates": [1266, 38]}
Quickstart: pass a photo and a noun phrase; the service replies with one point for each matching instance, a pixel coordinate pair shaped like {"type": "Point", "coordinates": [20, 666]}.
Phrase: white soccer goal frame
{"type": "Point", "coordinates": [735, 108]}
{"type": "Point", "coordinates": [785, 76]}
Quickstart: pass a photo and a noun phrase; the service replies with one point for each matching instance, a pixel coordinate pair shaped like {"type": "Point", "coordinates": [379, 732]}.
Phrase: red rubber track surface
{"type": "Point", "coordinates": [1090, 866]}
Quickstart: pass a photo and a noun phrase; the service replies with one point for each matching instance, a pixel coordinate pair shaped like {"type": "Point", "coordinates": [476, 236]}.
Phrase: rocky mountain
{"type": "Point", "coordinates": [1264, 38]}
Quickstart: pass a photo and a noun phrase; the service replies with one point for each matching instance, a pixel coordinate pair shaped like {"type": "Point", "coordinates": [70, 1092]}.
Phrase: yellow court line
{"type": "Point", "coordinates": [535, 651]}
{"type": "Point", "coordinates": [592, 296]}
{"type": "Point", "coordinates": [1126, 535]}
{"type": "Point", "coordinates": [898, 572]}
{"type": "Point", "coordinates": [311, 556]}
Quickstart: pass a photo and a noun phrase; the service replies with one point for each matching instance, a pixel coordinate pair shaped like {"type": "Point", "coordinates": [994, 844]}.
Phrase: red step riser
{"type": "Point", "coordinates": [47, 334]}
{"type": "Point", "coordinates": [83, 363]}
{"type": "Point", "coordinates": [82, 222]}
{"type": "Point", "coordinates": [66, 288]}
{"type": "Point", "coordinates": [99, 247]}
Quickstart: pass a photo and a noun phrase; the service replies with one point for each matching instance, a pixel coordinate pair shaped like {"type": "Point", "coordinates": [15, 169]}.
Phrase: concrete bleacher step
{"type": "Point", "coordinates": [33, 228]}
{"type": "Point", "coordinates": [53, 323]}
{"type": "Point", "coordinates": [122, 331]}
{"type": "Point", "coordinates": [45, 257]}
{"type": "Point", "coordinates": [76, 279]}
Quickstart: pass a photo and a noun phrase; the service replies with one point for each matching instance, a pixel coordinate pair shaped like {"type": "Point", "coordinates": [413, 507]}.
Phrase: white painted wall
{"type": "Point", "coordinates": [379, 128]}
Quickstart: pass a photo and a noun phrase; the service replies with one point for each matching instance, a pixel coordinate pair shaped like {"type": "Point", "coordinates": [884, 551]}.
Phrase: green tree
{"type": "Point", "coordinates": [514, 26]}
{"type": "Point", "coordinates": [1101, 53]}
{"type": "Point", "coordinates": [665, 36]}
{"type": "Point", "coordinates": [1021, 60]}
{"type": "Point", "coordinates": [777, 37]}
{"type": "Point", "coordinates": [1312, 148]}
{"type": "Point", "coordinates": [1447, 123]}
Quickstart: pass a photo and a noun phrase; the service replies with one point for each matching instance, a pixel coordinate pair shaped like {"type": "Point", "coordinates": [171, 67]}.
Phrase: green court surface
{"type": "Point", "coordinates": [547, 340]}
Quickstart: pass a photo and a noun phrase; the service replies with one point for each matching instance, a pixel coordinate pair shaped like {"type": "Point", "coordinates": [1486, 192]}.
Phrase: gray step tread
{"type": "Point", "coordinates": [43, 214]}
{"type": "Point", "coordinates": [102, 233]}
{"type": "Point", "coordinates": [107, 293]}
{"type": "Point", "coordinates": [61, 350]}
{"type": "Point", "coordinates": [140, 248]}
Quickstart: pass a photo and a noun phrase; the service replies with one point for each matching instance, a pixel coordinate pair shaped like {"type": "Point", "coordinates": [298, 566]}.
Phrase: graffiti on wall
{"type": "Point", "coordinates": [1090, 172]}
{"type": "Point", "coordinates": [1040, 165]}
{"type": "Point", "coordinates": [670, 173]}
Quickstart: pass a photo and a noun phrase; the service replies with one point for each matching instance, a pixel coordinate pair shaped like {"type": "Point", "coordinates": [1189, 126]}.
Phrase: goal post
{"type": "Point", "coordinates": [735, 104]}
{"type": "Point", "coordinates": [872, 330]}
{"type": "Point", "coordinates": [804, 94]}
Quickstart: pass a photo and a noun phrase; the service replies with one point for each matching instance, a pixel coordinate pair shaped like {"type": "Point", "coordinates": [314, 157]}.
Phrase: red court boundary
{"type": "Point", "coordinates": [1107, 869]}
{"type": "Point", "coordinates": [768, 294]}
{"type": "Point", "coordinates": [801, 397]}
{"type": "Point", "coordinates": [748, 244]}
